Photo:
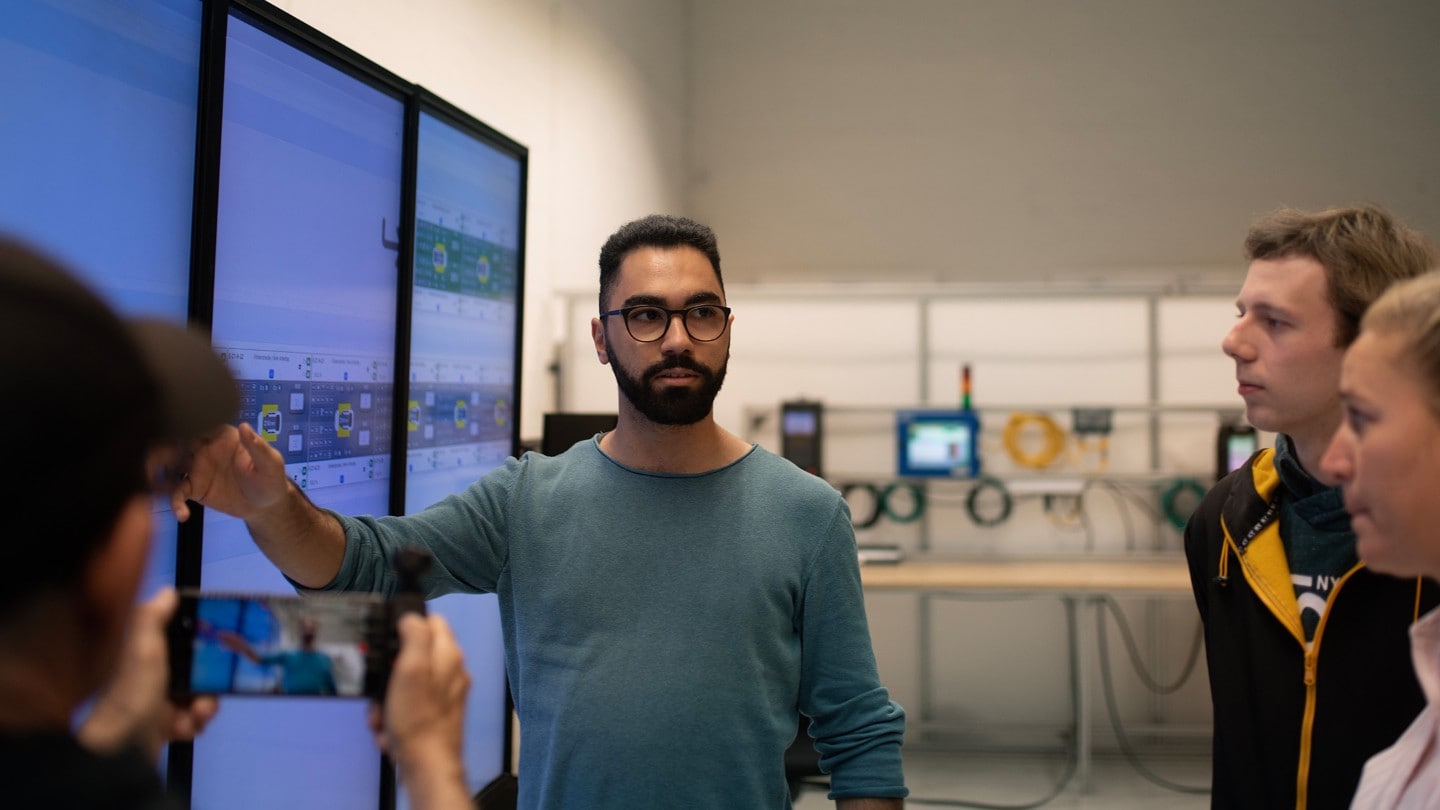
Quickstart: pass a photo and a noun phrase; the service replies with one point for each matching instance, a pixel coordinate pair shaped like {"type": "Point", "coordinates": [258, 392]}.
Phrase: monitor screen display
{"type": "Point", "coordinates": [460, 398]}
{"type": "Point", "coordinates": [306, 291]}
{"type": "Point", "coordinates": [104, 181]}
{"type": "Point", "coordinates": [938, 443]}
{"type": "Point", "coordinates": [464, 319]}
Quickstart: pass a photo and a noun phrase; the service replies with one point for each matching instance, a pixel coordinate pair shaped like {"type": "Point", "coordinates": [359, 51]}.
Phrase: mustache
{"type": "Point", "coordinates": [678, 361]}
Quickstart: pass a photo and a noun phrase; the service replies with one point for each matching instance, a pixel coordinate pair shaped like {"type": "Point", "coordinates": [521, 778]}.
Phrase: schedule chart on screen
{"type": "Point", "coordinates": [105, 179]}
{"type": "Point", "coordinates": [355, 246]}
{"type": "Point", "coordinates": [461, 399]}
{"type": "Point", "coordinates": [461, 410]}
{"type": "Point", "coordinates": [305, 302]}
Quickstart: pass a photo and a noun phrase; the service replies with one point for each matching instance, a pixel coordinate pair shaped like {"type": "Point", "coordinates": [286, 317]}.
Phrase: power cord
{"type": "Point", "coordinates": [1120, 506]}
{"type": "Point", "coordinates": [917, 502]}
{"type": "Point", "coordinates": [1111, 707]}
{"type": "Point", "coordinates": [1128, 636]}
{"type": "Point", "coordinates": [1071, 760]}
{"type": "Point", "coordinates": [869, 517]}
{"type": "Point", "coordinates": [1023, 429]}
{"type": "Point", "coordinates": [1127, 749]}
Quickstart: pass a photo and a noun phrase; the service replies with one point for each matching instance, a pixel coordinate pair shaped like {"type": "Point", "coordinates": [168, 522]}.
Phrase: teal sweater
{"type": "Point", "coordinates": [662, 631]}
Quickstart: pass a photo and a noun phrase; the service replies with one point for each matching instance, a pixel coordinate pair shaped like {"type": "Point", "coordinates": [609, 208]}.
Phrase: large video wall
{"type": "Point", "coordinates": [356, 246]}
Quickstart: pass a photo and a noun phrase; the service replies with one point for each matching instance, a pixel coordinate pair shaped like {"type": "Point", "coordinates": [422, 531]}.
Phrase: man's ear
{"type": "Point", "coordinates": [597, 334]}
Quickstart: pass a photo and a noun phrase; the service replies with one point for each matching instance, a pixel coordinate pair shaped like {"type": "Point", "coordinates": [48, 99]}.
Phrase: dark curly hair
{"type": "Point", "coordinates": [656, 230]}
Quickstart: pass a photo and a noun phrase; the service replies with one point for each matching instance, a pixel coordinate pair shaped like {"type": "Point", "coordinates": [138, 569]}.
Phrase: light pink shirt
{"type": "Point", "coordinates": [1407, 774]}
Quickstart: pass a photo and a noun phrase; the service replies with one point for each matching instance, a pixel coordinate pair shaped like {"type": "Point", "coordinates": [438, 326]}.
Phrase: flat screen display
{"type": "Point", "coordinates": [306, 291]}
{"type": "Point", "coordinates": [460, 398]}
{"type": "Point", "coordinates": [99, 157]}
{"type": "Point", "coordinates": [937, 443]}
{"type": "Point", "coordinates": [562, 431]}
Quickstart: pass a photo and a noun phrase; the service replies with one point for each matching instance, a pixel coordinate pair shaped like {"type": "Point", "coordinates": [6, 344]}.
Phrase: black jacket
{"type": "Point", "coordinates": [1294, 728]}
{"type": "Point", "coordinates": [52, 769]}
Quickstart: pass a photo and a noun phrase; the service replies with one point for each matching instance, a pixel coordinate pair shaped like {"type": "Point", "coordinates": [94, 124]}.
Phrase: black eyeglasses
{"type": "Point", "coordinates": [166, 468]}
{"type": "Point", "coordinates": [647, 324]}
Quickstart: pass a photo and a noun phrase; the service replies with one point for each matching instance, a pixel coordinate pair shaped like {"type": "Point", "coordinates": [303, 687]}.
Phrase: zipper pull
{"type": "Point", "coordinates": [1310, 668]}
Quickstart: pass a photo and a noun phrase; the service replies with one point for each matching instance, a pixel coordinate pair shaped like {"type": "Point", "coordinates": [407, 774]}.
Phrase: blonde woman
{"type": "Point", "coordinates": [1386, 456]}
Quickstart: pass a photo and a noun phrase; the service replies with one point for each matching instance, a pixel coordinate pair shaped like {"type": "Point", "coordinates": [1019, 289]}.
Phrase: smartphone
{"type": "Point", "coordinates": [324, 645]}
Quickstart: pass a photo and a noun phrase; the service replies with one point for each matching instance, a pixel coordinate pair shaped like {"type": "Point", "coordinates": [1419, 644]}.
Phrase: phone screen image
{"type": "Point", "coordinates": [274, 645]}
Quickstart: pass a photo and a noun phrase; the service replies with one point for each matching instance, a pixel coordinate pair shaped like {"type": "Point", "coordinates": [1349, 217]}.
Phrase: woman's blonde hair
{"type": "Point", "coordinates": [1410, 310]}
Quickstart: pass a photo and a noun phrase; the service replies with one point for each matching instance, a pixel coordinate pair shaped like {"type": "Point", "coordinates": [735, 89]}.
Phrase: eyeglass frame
{"type": "Point", "coordinates": [166, 468]}
{"type": "Point", "coordinates": [670, 314]}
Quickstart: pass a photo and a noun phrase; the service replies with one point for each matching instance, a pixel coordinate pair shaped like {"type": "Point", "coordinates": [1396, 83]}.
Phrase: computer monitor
{"type": "Point", "coordinates": [937, 443]}
{"type": "Point", "coordinates": [466, 303]}
{"type": "Point", "coordinates": [562, 430]}
{"type": "Point", "coordinates": [461, 399]}
{"type": "Point", "coordinates": [305, 307]}
{"type": "Point", "coordinates": [99, 120]}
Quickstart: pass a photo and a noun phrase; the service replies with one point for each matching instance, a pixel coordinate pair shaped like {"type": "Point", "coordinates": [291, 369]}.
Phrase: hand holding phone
{"type": "Point", "coordinates": [340, 645]}
{"type": "Point", "coordinates": [132, 709]}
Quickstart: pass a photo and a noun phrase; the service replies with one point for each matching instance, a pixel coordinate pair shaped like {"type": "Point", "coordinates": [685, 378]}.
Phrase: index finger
{"type": "Point", "coordinates": [444, 649]}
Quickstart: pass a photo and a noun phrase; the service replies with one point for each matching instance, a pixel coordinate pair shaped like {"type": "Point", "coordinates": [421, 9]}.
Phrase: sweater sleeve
{"type": "Point", "coordinates": [465, 534]}
{"type": "Point", "coordinates": [858, 730]}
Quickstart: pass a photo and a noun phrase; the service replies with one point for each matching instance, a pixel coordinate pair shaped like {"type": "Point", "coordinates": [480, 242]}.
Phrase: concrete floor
{"type": "Point", "coordinates": [1020, 781]}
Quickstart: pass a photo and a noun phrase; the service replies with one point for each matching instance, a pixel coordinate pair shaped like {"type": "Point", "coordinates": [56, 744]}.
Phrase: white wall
{"type": "Point", "coordinates": [596, 89]}
{"type": "Point", "coordinates": [964, 140]}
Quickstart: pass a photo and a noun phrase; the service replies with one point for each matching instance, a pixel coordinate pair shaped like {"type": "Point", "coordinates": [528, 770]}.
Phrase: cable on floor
{"type": "Point", "coordinates": [1071, 759]}
{"type": "Point", "coordinates": [1128, 636]}
{"type": "Point", "coordinates": [1111, 707]}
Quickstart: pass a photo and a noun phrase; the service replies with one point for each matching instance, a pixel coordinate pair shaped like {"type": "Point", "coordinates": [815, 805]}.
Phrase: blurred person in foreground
{"type": "Point", "coordinates": [1386, 456]}
{"type": "Point", "coordinates": [100, 413]}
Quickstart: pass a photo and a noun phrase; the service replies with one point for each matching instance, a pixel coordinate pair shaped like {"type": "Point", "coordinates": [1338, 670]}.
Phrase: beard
{"type": "Point", "coordinates": [672, 406]}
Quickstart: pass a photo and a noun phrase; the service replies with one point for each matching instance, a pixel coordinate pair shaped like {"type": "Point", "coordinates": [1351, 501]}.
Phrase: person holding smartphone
{"type": "Point", "coordinates": [107, 406]}
{"type": "Point", "coordinates": [99, 413]}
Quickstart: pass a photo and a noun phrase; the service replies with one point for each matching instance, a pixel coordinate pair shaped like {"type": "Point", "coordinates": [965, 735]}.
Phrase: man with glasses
{"type": "Point", "coordinates": [671, 595]}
